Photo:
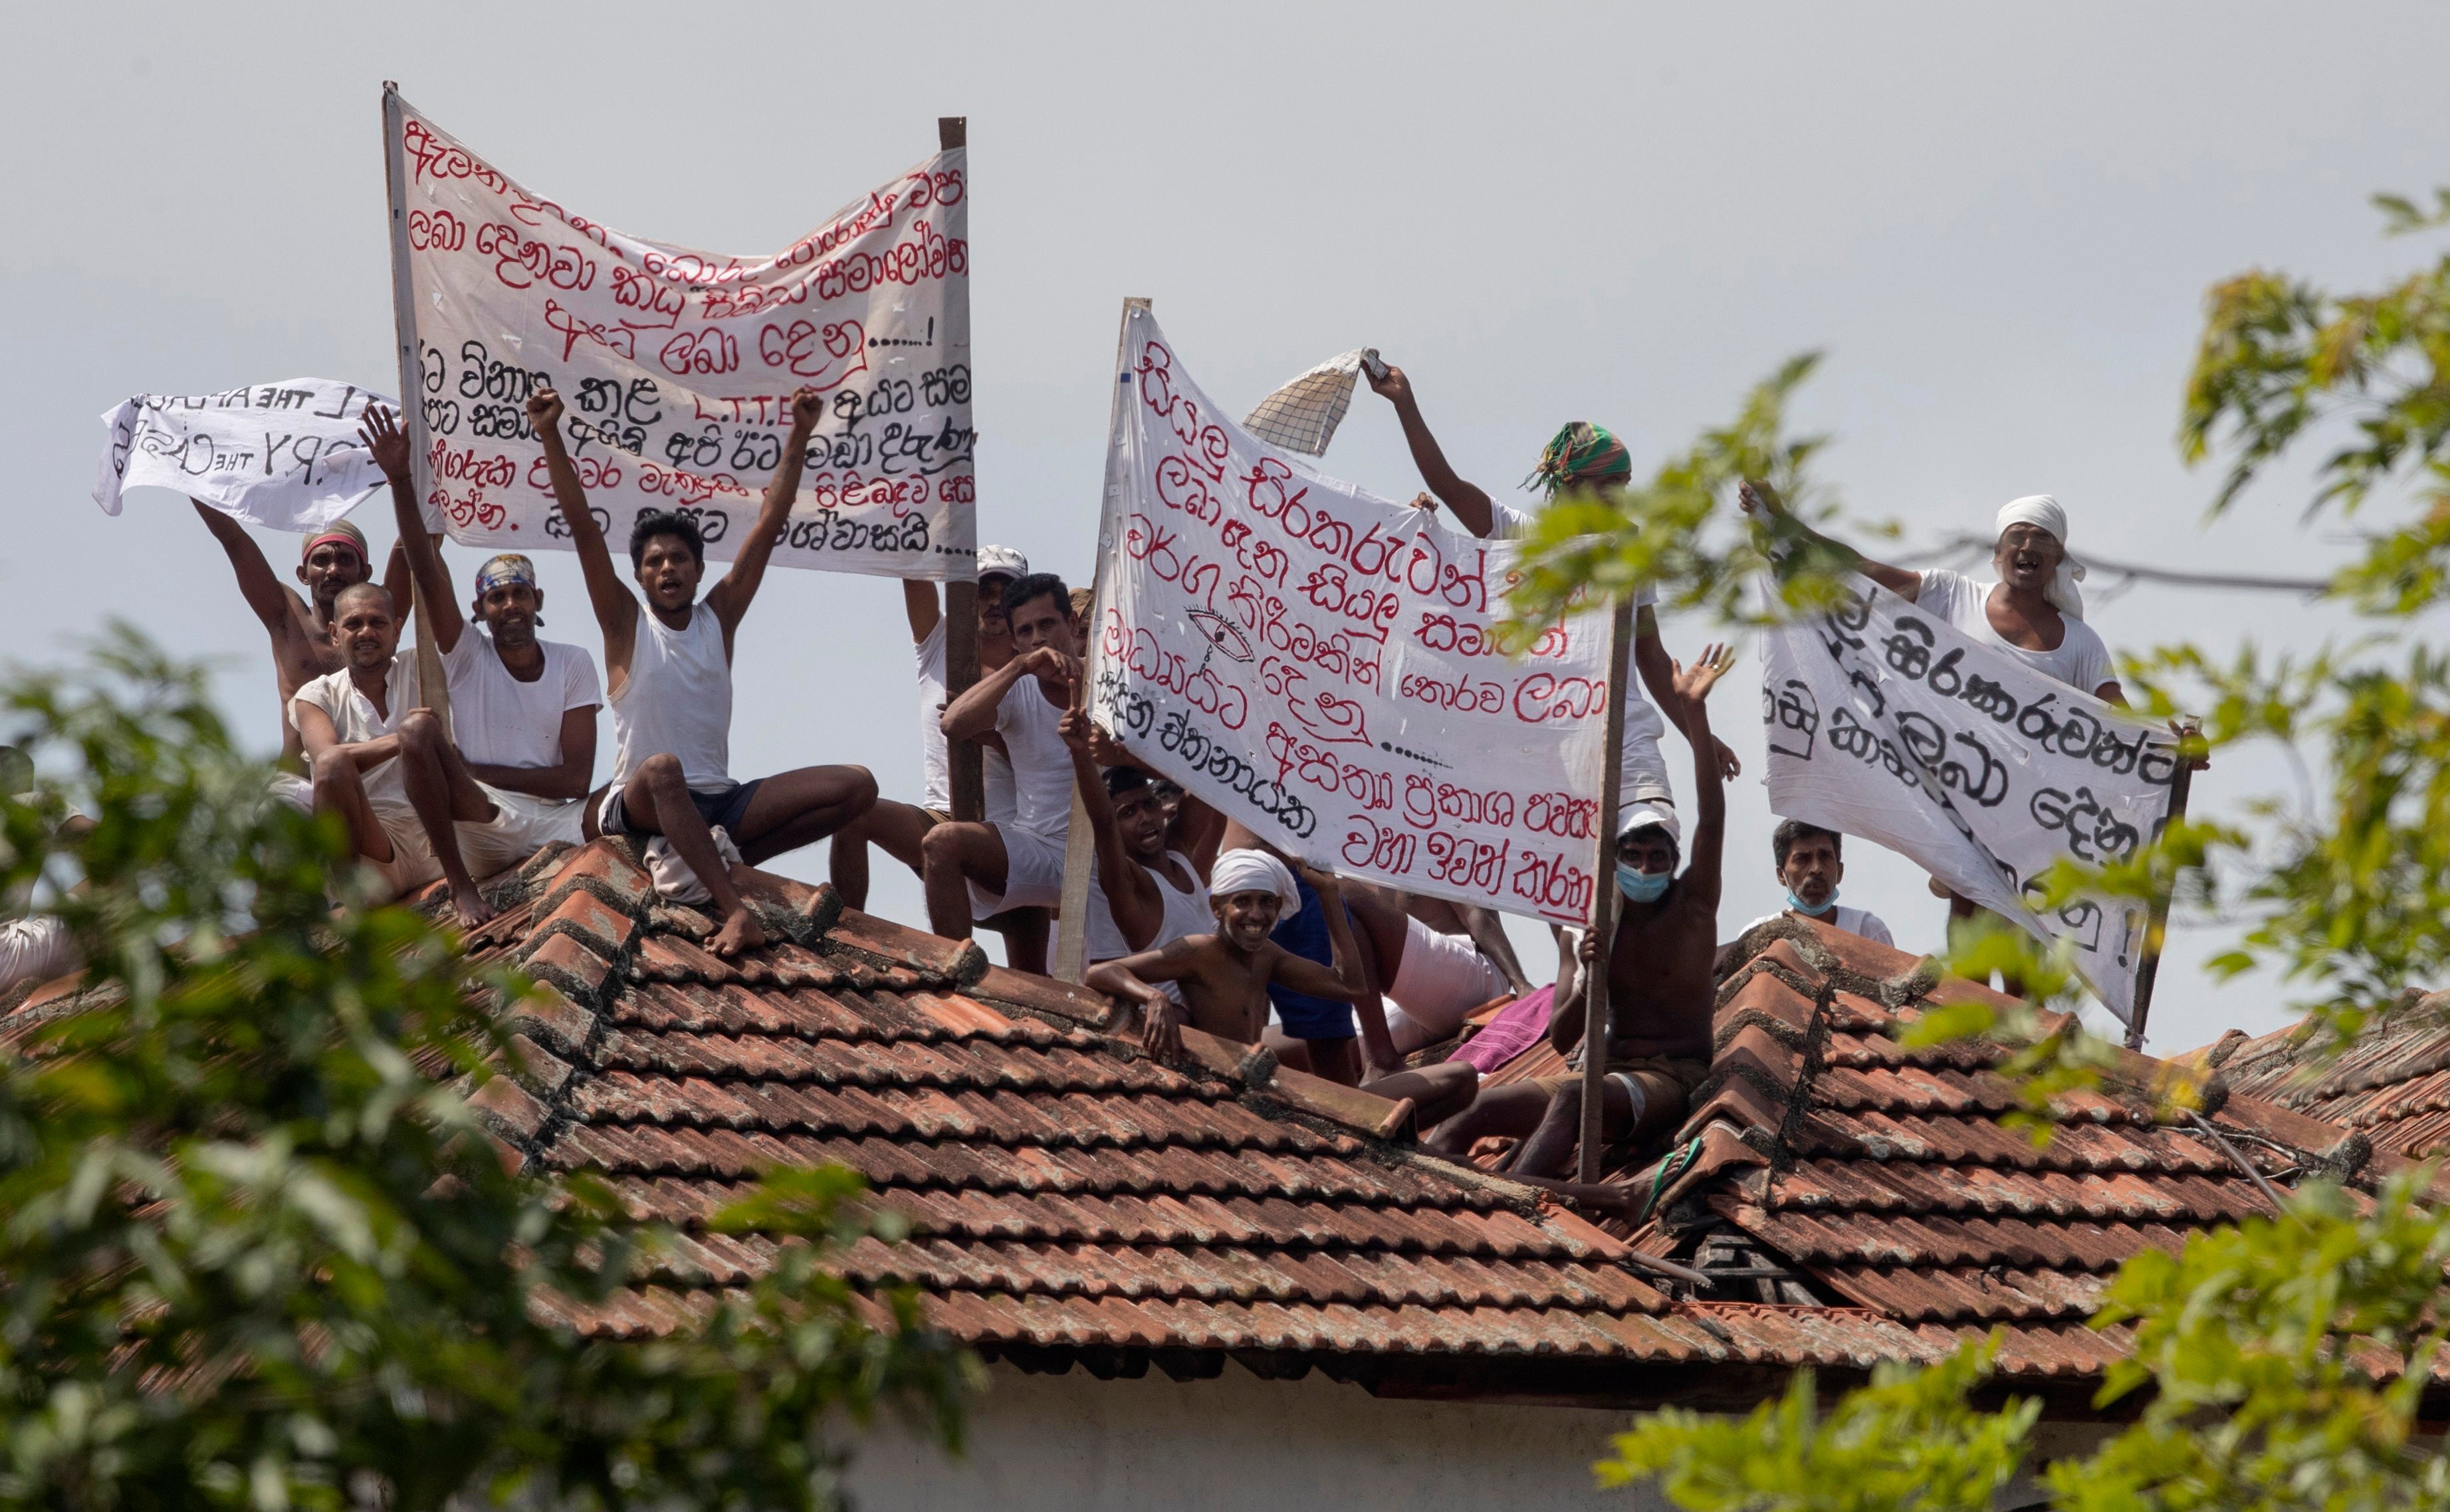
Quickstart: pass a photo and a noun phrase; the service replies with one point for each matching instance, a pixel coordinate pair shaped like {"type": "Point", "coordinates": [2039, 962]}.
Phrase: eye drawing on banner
{"type": "Point", "coordinates": [1793, 710]}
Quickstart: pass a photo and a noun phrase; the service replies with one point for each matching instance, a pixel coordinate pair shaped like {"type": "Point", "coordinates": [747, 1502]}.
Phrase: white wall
{"type": "Point", "coordinates": [1076, 1443]}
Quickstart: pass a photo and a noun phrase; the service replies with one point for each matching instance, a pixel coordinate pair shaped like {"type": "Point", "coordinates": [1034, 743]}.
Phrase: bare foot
{"type": "Point", "coordinates": [471, 906]}
{"type": "Point", "coordinates": [741, 931]}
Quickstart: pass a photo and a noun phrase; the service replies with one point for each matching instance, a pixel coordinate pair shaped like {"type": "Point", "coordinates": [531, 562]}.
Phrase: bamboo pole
{"type": "Point", "coordinates": [435, 690]}
{"type": "Point", "coordinates": [1604, 897]}
{"type": "Point", "coordinates": [2181, 786]}
{"type": "Point", "coordinates": [965, 759]}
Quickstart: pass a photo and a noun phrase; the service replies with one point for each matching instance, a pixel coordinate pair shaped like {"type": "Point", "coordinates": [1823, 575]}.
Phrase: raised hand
{"type": "Point", "coordinates": [1325, 884]}
{"type": "Point", "coordinates": [380, 429]}
{"type": "Point", "coordinates": [1760, 501]}
{"type": "Point", "coordinates": [1729, 768]}
{"type": "Point", "coordinates": [1426, 502]}
{"type": "Point", "coordinates": [806, 406]}
{"type": "Point", "coordinates": [1394, 386]}
{"type": "Point", "coordinates": [1077, 732]}
{"type": "Point", "coordinates": [1693, 684]}
{"type": "Point", "coordinates": [544, 413]}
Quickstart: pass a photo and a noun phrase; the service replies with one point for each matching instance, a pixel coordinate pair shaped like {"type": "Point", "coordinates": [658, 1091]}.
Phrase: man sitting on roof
{"type": "Point", "coordinates": [670, 675]}
{"type": "Point", "coordinates": [1661, 982]}
{"type": "Point", "coordinates": [898, 828]}
{"type": "Point", "coordinates": [1810, 864]}
{"type": "Point", "coordinates": [523, 709]}
{"type": "Point", "coordinates": [975, 870]}
{"type": "Point", "coordinates": [1146, 890]}
{"type": "Point", "coordinates": [413, 809]}
{"type": "Point", "coordinates": [1223, 976]}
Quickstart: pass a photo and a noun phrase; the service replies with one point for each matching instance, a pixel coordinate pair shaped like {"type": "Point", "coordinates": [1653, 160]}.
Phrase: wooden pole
{"type": "Point", "coordinates": [2150, 972]}
{"type": "Point", "coordinates": [1604, 897]}
{"type": "Point", "coordinates": [966, 759]}
{"type": "Point", "coordinates": [434, 688]}
{"type": "Point", "coordinates": [1080, 846]}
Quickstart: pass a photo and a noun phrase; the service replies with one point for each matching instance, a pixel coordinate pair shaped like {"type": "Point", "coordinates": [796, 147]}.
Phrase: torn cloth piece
{"type": "Point", "coordinates": [1302, 416]}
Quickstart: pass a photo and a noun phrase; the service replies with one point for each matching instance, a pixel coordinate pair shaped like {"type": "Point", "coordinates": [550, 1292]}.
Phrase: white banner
{"type": "Point", "coordinates": [1322, 665]}
{"type": "Point", "coordinates": [282, 456]}
{"type": "Point", "coordinates": [677, 367]}
{"type": "Point", "coordinates": [1889, 725]}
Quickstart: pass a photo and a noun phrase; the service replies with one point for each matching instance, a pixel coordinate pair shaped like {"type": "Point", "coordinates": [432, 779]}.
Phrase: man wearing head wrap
{"type": "Point", "coordinates": [2033, 612]}
{"type": "Point", "coordinates": [1223, 978]}
{"type": "Point", "coordinates": [523, 709]}
{"type": "Point", "coordinates": [1580, 457]}
{"type": "Point", "coordinates": [334, 557]}
{"type": "Point", "coordinates": [899, 827]}
{"type": "Point", "coordinates": [1662, 986]}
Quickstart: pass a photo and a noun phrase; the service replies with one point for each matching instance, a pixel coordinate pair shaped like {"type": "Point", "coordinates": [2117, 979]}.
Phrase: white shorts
{"type": "Point", "coordinates": [288, 787]}
{"type": "Point", "coordinates": [1641, 768]}
{"type": "Point", "coordinates": [521, 825]}
{"type": "Point", "coordinates": [36, 949]}
{"type": "Point", "coordinates": [1440, 980]}
{"type": "Point", "coordinates": [1033, 873]}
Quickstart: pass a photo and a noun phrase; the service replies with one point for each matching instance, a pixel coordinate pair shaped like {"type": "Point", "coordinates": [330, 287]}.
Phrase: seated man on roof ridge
{"type": "Point", "coordinates": [669, 667]}
{"type": "Point", "coordinates": [1222, 977]}
{"type": "Point", "coordinates": [1661, 985]}
{"type": "Point", "coordinates": [1811, 863]}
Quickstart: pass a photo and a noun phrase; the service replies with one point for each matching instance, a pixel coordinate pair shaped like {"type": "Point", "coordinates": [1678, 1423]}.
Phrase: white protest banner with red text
{"type": "Point", "coordinates": [677, 367]}
{"type": "Point", "coordinates": [1887, 724]}
{"type": "Point", "coordinates": [1321, 664]}
{"type": "Point", "coordinates": [284, 455]}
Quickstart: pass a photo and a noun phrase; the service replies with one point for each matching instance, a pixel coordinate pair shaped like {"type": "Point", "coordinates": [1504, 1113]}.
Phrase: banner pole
{"type": "Point", "coordinates": [2181, 787]}
{"type": "Point", "coordinates": [967, 759]}
{"type": "Point", "coordinates": [435, 687]}
{"type": "Point", "coordinates": [1604, 895]}
{"type": "Point", "coordinates": [1080, 846]}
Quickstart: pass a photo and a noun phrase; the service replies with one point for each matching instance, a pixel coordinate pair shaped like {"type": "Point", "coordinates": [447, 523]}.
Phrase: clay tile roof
{"type": "Point", "coordinates": [1830, 1170]}
{"type": "Point", "coordinates": [2391, 1085]}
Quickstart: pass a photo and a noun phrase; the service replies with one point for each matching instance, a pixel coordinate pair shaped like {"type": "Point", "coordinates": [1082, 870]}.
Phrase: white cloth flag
{"type": "Point", "coordinates": [1322, 665]}
{"type": "Point", "coordinates": [677, 367]}
{"type": "Point", "coordinates": [284, 455]}
{"type": "Point", "coordinates": [1887, 724]}
{"type": "Point", "coordinates": [1302, 416]}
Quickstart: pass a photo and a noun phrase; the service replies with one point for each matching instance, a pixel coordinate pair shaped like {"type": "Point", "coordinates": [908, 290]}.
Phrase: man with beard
{"type": "Point", "coordinates": [335, 558]}
{"type": "Point", "coordinates": [413, 809]}
{"type": "Point", "coordinates": [669, 671]}
{"type": "Point", "coordinates": [522, 709]}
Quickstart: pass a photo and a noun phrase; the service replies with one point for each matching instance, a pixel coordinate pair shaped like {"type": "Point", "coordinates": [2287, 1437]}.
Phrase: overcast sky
{"type": "Point", "coordinates": [1999, 222]}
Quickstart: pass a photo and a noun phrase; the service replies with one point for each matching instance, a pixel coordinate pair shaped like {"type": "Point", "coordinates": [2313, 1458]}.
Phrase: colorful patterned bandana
{"type": "Point", "coordinates": [1581, 453]}
{"type": "Point", "coordinates": [508, 568]}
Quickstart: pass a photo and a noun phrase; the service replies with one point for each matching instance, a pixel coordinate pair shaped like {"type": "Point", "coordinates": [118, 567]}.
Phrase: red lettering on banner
{"type": "Point", "coordinates": [1473, 864]}
{"type": "Point", "coordinates": [1554, 885]}
{"type": "Point", "coordinates": [825, 358]}
{"type": "Point", "coordinates": [573, 328]}
{"type": "Point", "coordinates": [1462, 696]}
{"type": "Point", "coordinates": [700, 352]}
{"type": "Point", "coordinates": [466, 466]}
{"type": "Point", "coordinates": [430, 156]}
{"type": "Point", "coordinates": [1327, 587]}
{"type": "Point", "coordinates": [594, 473]}
{"type": "Point", "coordinates": [688, 488]}
{"type": "Point", "coordinates": [1563, 815]}
{"type": "Point", "coordinates": [1145, 540]}
{"type": "Point", "coordinates": [1182, 489]}
{"type": "Point", "coordinates": [1197, 686]}
{"type": "Point", "coordinates": [634, 290]}
{"type": "Point", "coordinates": [1206, 440]}
{"type": "Point", "coordinates": [1544, 696]}
{"type": "Point", "coordinates": [468, 510]}
{"type": "Point", "coordinates": [1324, 770]}
{"type": "Point", "coordinates": [1372, 847]}
{"type": "Point", "coordinates": [1428, 802]}
{"type": "Point", "coordinates": [1443, 633]}
{"type": "Point", "coordinates": [522, 263]}
{"type": "Point", "coordinates": [435, 231]}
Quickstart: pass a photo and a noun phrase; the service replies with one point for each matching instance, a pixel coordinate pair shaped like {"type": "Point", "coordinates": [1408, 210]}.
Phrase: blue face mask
{"type": "Point", "coordinates": [1802, 907]}
{"type": "Point", "coordinates": [1641, 887]}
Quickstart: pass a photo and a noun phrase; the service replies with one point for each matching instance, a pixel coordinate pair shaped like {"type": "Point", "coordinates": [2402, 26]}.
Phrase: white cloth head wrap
{"type": "Point", "coordinates": [1639, 815]}
{"type": "Point", "coordinates": [1254, 871]}
{"type": "Point", "coordinates": [2043, 511]}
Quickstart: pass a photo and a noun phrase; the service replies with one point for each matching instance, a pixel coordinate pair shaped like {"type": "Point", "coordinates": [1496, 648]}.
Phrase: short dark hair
{"type": "Point", "coordinates": [663, 522]}
{"type": "Point", "coordinates": [1036, 585]}
{"type": "Point", "coordinates": [1791, 830]}
{"type": "Point", "coordinates": [1121, 780]}
{"type": "Point", "coordinates": [359, 590]}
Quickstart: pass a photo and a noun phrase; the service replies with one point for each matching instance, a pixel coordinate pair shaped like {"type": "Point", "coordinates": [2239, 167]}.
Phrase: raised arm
{"type": "Point", "coordinates": [1131, 892]}
{"type": "Point", "coordinates": [617, 608]}
{"type": "Point", "coordinates": [729, 598]}
{"type": "Point", "coordinates": [1658, 672]}
{"type": "Point", "coordinates": [1693, 685]}
{"type": "Point", "coordinates": [256, 584]}
{"type": "Point", "coordinates": [1342, 978]}
{"type": "Point", "coordinates": [919, 602]}
{"type": "Point", "coordinates": [1762, 502]}
{"type": "Point", "coordinates": [1470, 503]}
{"type": "Point", "coordinates": [972, 716]}
{"type": "Point", "coordinates": [380, 431]}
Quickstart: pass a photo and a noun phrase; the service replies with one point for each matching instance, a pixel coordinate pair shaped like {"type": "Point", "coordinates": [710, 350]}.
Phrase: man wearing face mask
{"type": "Point", "coordinates": [1809, 866]}
{"type": "Point", "coordinates": [1661, 983]}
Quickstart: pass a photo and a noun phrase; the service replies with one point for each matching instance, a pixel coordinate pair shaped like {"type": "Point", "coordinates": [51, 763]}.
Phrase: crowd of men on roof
{"type": "Point", "coordinates": [1192, 918]}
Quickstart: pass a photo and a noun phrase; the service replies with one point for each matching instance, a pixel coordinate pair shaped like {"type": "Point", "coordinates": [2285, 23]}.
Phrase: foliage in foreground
{"type": "Point", "coordinates": [254, 1250]}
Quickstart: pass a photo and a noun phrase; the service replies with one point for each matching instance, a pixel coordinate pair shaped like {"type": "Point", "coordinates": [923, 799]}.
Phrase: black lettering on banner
{"type": "Point", "coordinates": [1210, 758]}
{"type": "Point", "coordinates": [2094, 834]}
{"type": "Point", "coordinates": [2079, 919]}
{"type": "Point", "coordinates": [1909, 647]}
{"type": "Point", "coordinates": [838, 532]}
{"type": "Point", "coordinates": [1794, 709]}
{"type": "Point", "coordinates": [558, 528]}
{"type": "Point", "coordinates": [713, 524]}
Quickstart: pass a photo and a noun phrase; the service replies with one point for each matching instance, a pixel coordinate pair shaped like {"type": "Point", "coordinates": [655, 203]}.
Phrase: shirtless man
{"type": "Point", "coordinates": [898, 828]}
{"type": "Point", "coordinates": [668, 672]}
{"type": "Point", "coordinates": [1224, 977]}
{"type": "Point", "coordinates": [413, 810]}
{"type": "Point", "coordinates": [1661, 984]}
{"type": "Point", "coordinates": [335, 558]}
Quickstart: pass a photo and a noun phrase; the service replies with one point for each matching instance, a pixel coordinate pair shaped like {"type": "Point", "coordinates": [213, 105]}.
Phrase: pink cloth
{"type": "Point", "coordinates": [1517, 1027]}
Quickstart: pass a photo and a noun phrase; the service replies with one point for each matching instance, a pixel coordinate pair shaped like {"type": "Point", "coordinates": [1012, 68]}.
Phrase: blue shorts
{"type": "Point", "coordinates": [722, 810]}
{"type": "Point", "coordinates": [1305, 934]}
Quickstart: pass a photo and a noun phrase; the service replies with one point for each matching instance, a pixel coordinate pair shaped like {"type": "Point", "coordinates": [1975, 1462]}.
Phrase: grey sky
{"type": "Point", "coordinates": [1999, 224]}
